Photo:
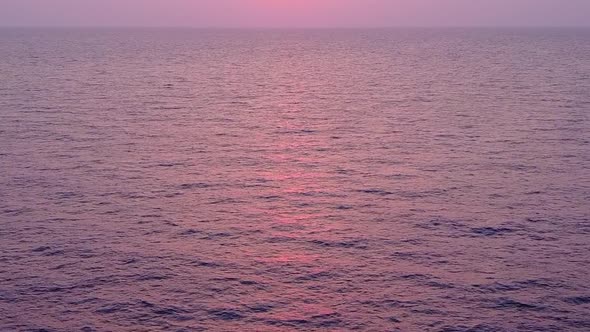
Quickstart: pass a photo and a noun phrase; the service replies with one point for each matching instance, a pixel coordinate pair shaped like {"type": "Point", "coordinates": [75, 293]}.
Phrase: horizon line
{"type": "Point", "coordinates": [294, 27]}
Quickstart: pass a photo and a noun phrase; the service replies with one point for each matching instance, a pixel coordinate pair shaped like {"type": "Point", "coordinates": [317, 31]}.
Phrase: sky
{"type": "Point", "coordinates": [294, 13]}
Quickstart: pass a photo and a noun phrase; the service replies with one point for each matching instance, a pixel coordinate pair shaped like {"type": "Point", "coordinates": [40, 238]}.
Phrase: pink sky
{"type": "Point", "coordinates": [294, 13]}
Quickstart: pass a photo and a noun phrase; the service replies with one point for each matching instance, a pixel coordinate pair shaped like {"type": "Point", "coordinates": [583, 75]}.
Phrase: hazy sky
{"type": "Point", "coordinates": [294, 13]}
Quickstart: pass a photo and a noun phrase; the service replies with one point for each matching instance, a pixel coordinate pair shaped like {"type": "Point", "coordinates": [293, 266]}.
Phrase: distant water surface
{"type": "Point", "coordinates": [282, 180]}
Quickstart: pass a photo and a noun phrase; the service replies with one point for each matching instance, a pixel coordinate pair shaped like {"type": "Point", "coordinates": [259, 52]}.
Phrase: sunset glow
{"type": "Point", "coordinates": [295, 13]}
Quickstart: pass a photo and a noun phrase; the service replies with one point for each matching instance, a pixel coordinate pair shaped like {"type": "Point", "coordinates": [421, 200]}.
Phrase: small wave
{"type": "Point", "coordinates": [507, 303]}
{"type": "Point", "coordinates": [226, 314]}
{"type": "Point", "coordinates": [491, 231]}
{"type": "Point", "coordinates": [578, 300]}
{"type": "Point", "coordinates": [358, 244]}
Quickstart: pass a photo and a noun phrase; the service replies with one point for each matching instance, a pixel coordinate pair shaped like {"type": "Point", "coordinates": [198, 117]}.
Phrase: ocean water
{"type": "Point", "coordinates": [294, 180]}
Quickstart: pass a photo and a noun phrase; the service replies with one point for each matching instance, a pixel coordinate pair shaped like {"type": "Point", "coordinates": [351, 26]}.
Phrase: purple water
{"type": "Point", "coordinates": [282, 180]}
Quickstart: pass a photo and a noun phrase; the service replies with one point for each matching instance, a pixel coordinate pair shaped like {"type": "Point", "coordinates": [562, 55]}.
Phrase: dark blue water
{"type": "Point", "coordinates": [282, 180]}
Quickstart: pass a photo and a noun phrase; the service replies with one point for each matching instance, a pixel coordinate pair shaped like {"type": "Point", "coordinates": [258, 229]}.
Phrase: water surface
{"type": "Point", "coordinates": [328, 180]}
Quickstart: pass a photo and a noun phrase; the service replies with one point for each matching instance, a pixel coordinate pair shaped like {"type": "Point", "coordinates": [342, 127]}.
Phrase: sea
{"type": "Point", "coordinates": [407, 179]}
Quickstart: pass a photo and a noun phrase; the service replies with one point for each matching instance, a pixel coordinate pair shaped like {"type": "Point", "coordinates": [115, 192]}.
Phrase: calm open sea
{"type": "Point", "coordinates": [284, 180]}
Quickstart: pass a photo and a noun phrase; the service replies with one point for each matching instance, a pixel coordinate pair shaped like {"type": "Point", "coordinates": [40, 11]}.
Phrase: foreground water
{"type": "Point", "coordinates": [378, 180]}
